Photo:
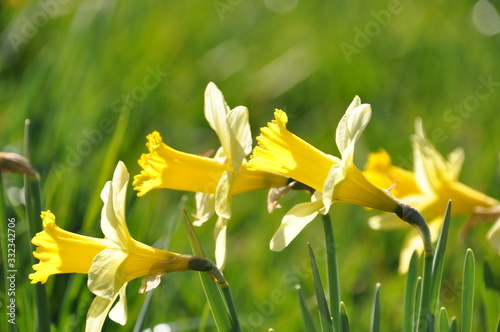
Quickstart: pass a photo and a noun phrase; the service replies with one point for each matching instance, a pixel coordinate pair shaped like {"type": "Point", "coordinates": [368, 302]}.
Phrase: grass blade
{"type": "Point", "coordinates": [375, 321]}
{"type": "Point", "coordinates": [332, 271]}
{"type": "Point", "coordinates": [443, 321]}
{"type": "Point", "coordinates": [33, 197]}
{"type": "Point", "coordinates": [344, 320]}
{"type": "Point", "coordinates": [425, 316]}
{"type": "Point", "coordinates": [468, 292]}
{"type": "Point", "coordinates": [109, 163]}
{"type": "Point", "coordinates": [438, 263]}
{"type": "Point", "coordinates": [416, 296]}
{"type": "Point", "coordinates": [324, 313]}
{"type": "Point", "coordinates": [453, 325]}
{"type": "Point", "coordinates": [411, 283]}
{"type": "Point", "coordinates": [307, 318]}
{"type": "Point", "coordinates": [212, 292]}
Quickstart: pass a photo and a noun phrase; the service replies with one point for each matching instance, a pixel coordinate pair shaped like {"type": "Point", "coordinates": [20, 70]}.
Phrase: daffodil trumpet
{"type": "Point", "coordinates": [332, 179]}
{"type": "Point", "coordinates": [110, 262]}
{"type": "Point", "coordinates": [432, 183]}
{"type": "Point", "coordinates": [214, 180]}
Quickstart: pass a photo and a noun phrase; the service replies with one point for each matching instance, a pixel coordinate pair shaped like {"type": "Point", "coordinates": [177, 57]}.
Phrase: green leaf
{"type": "Point", "coordinates": [34, 206]}
{"type": "Point", "coordinates": [438, 263]}
{"type": "Point", "coordinates": [344, 320]}
{"type": "Point", "coordinates": [491, 277]}
{"type": "Point", "coordinates": [416, 304]}
{"type": "Point", "coordinates": [375, 322]}
{"type": "Point", "coordinates": [443, 321]}
{"type": "Point", "coordinates": [324, 313]}
{"type": "Point", "coordinates": [453, 325]}
{"type": "Point", "coordinates": [332, 271]}
{"type": "Point", "coordinates": [107, 166]}
{"type": "Point", "coordinates": [411, 283]}
{"type": "Point", "coordinates": [307, 318]}
{"type": "Point", "coordinates": [468, 292]}
{"type": "Point", "coordinates": [212, 292]}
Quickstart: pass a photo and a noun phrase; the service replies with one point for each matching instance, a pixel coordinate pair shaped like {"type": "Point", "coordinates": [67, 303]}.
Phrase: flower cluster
{"type": "Point", "coordinates": [110, 262]}
{"type": "Point", "coordinates": [433, 182]}
{"type": "Point", "coordinates": [280, 162]}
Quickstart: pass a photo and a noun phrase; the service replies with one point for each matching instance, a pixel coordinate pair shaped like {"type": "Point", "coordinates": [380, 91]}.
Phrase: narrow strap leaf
{"type": "Point", "coordinates": [468, 292]}
{"type": "Point", "coordinates": [375, 321]}
{"type": "Point", "coordinates": [344, 320]}
{"type": "Point", "coordinates": [307, 318]}
{"type": "Point", "coordinates": [324, 313]}
{"type": "Point", "coordinates": [438, 263]}
{"type": "Point", "coordinates": [411, 283]}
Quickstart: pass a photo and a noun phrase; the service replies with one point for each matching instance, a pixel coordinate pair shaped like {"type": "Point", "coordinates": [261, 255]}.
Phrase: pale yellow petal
{"type": "Point", "coordinates": [106, 275]}
{"type": "Point", "coordinates": [97, 314]}
{"type": "Point", "coordinates": [119, 312]}
{"type": "Point", "coordinates": [352, 125]}
{"type": "Point", "coordinates": [335, 175]}
{"type": "Point", "coordinates": [216, 110]}
{"type": "Point", "coordinates": [494, 235]}
{"type": "Point", "coordinates": [223, 196]}
{"type": "Point", "coordinates": [293, 223]}
{"type": "Point", "coordinates": [455, 161]}
{"type": "Point", "coordinates": [112, 223]}
{"type": "Point", "coordinates": [241, 135]}
{"type": "Point", "coordinates": [220, 231]}
{"type": "Point", "coordinates": [205, 208]}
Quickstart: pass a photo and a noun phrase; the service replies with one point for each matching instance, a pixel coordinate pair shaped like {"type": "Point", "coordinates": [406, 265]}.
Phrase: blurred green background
{"type": "Point", "coordinates": [69, 67]}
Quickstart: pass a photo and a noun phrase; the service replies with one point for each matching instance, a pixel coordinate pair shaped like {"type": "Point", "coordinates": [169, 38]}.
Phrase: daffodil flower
{"type": "Point", "coordinates": [429, 188]}
{"type": "Point", "coordinates": [334, 179]}
{"type": "Point", "coordinates": [110, 262]}
{"type": "Point", "coordinates": [215, 180]}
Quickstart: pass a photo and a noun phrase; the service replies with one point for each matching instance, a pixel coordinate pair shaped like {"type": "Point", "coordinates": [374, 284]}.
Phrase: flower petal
{"type": "Point", "coordinates": [216, 111]}
{"type": "Point", "coordinates": [97, 314]}
{"type": "Point", "coordinates": [220, 242]}
{"type": "Point", "coordinates": [335, 175]}
{"type": "Point", "coordinates": [113, 212]}
{"type": "Point", "coordinates": [231, 126]}
{"type": "Point", "coordinates": [223, 196]}
{"type": "Point", "coordinates": [494, 235]}
{"type": "Point", "coordinates": [241, 135]}
{"type": "Point", "coordinates": [119, 312]}
{"type": "Point", "coordinates": [352, 124]}
{"type": "Point", "coordinates": [106, 275]}
{"type": "Point", "coordinates": [294, 222]}
{"type": "Point", "coordinates": [205, 207]}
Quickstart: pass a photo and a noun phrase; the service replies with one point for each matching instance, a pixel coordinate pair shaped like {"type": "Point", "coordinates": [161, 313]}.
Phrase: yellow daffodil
{"type": "Point", "coordinates": [433, 183]}
{"type": "Point", "coordinates": [334, 179]}
{"type": "Point", "coordinates": [215, 180]}
{"type": "Point", "coordinates": [110, 262]}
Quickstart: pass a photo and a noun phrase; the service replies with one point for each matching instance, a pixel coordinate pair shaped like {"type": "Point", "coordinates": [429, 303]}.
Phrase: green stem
{"type": "Point", "coordinates": [232, 308]}
{"type": "Point", "coordinates": [33, 197]}
{"type": "Point", "coordinates": [425, 317]}
{"type": "Point", "coordinates": [332, 268]}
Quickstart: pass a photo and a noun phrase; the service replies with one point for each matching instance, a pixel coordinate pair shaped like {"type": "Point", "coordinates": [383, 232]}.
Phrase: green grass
{"type": "Point", "coordinates": [73, 75]}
